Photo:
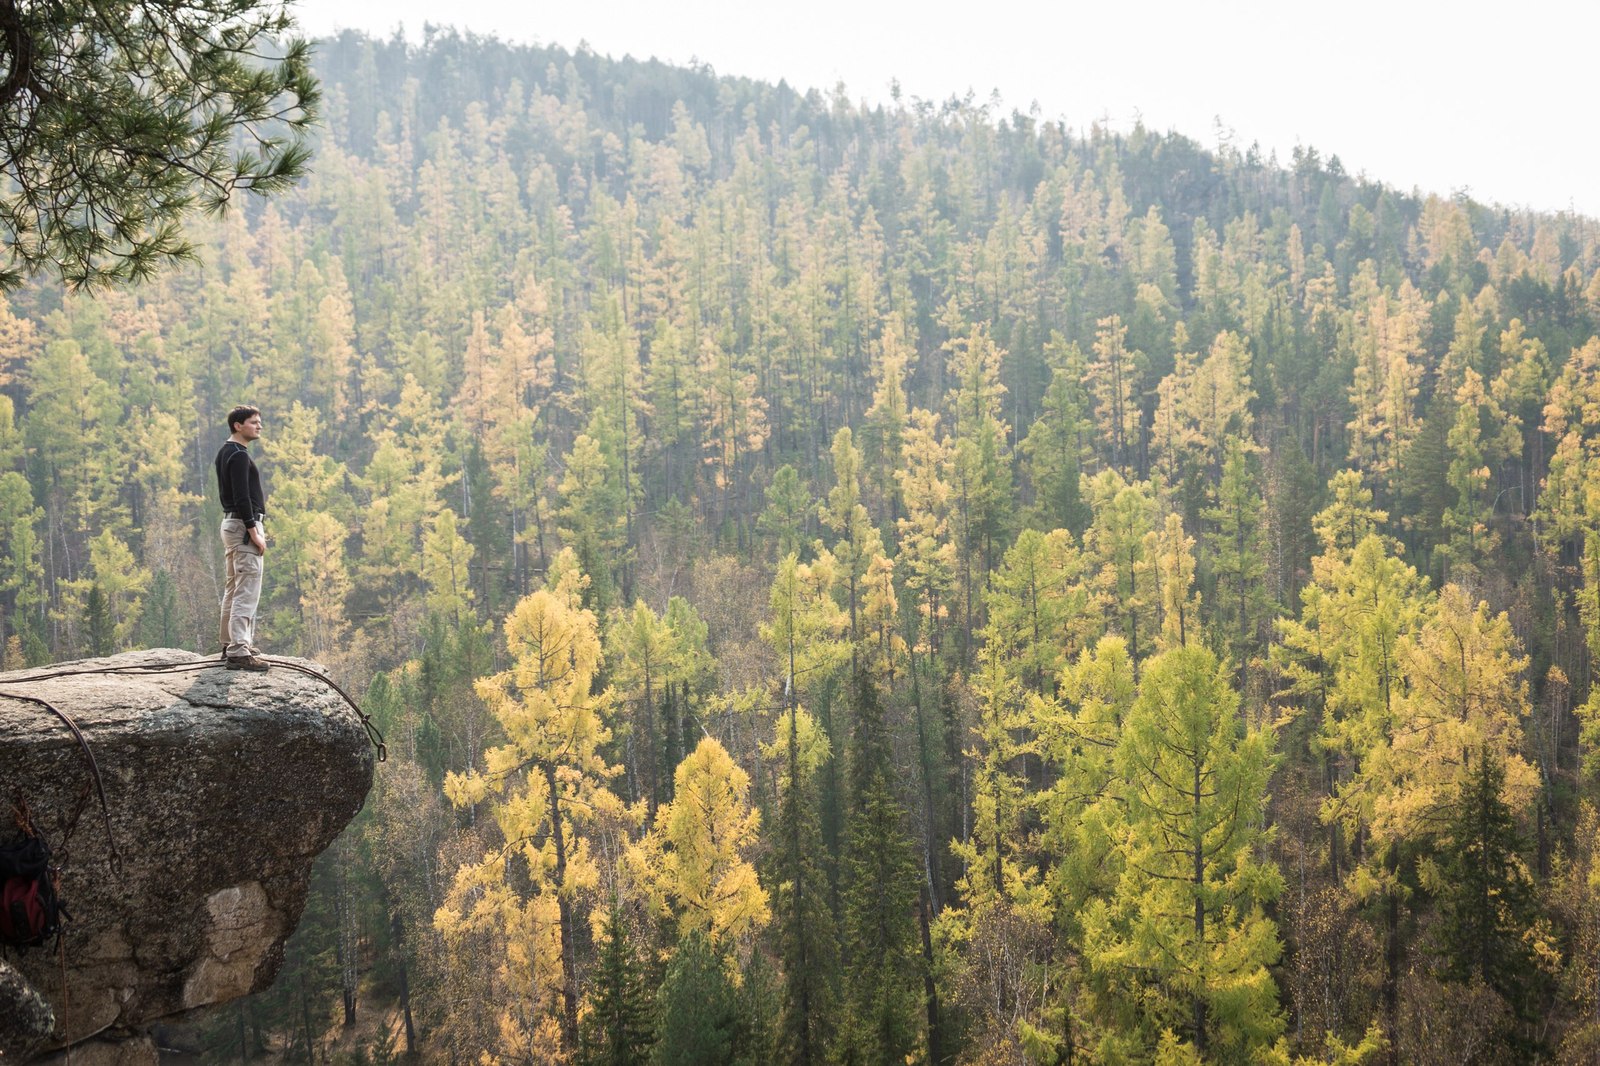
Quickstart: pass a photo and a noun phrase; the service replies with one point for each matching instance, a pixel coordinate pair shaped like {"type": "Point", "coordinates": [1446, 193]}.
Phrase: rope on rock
{"type": "Point", "coordinates": [366, 719]}
{"type": "Point", "coordinates": [191, 666]}
{"type": "Point", "coordinates": [176, 667]}
{"type": "Point", "coordinates": [94, 774]}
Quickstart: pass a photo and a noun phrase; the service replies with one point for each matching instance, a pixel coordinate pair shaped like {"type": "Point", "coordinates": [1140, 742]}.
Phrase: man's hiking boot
{"type": "Point", "coordinates": [253, 663]}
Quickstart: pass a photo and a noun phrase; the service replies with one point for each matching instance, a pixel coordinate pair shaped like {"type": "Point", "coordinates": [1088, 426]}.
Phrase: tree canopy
{"type": "Point", "coordinates": [846, 583]}
{"type": "Point", "coordinates": [118, 119]}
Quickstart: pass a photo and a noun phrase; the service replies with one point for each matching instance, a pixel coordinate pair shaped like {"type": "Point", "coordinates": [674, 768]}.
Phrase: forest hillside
{"type": "Point", "coordinates": [869, 584]}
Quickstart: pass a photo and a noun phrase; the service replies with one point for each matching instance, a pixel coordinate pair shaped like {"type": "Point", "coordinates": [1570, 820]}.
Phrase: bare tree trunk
{"type": "Point", "coordinates": [305, 1016]}
{"type": "Point", "coordinates": [569, 974]}
{"type": "Point", "coordinates": [1391, 967]}
{"type": "Point", "coordinates": [930, 990]}
{"type": "Point", "coordinates": [405, 988]}
{"type": "Point", "coordinates": [345, 915]}
{"type": "Point", "coordinates": [1199, 916]}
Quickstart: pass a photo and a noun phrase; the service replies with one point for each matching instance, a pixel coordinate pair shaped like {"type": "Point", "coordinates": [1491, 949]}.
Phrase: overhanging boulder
{"type": "Point", "coordinates": [222, 787]}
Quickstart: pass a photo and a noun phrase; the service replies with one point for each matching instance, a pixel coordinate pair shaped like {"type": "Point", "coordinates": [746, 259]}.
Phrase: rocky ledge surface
{"type": "Point", "coordinates": [223, 787]}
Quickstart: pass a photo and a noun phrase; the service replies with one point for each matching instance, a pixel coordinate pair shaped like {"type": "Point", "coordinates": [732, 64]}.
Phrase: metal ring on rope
{"type": "Point", "coordinates": [373, 733]}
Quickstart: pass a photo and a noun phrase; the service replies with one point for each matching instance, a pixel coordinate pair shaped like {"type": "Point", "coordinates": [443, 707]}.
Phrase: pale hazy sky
{"type": "Point", "coordinates": [1499, 100]}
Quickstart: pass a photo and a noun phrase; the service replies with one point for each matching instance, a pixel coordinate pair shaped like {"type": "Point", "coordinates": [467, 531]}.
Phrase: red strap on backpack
{"type": "Point", "coordinates": [22, 913]}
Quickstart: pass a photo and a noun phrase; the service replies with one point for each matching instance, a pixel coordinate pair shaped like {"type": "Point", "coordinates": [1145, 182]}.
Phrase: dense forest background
{"type": "Point", "coordinates": [869, 584]}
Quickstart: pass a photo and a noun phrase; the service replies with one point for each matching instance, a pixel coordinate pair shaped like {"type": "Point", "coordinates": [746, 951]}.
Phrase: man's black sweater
{"type": "Point", "coordinates": [239, 484]}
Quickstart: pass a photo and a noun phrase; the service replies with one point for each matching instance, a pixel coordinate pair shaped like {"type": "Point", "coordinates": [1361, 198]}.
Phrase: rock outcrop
{"type": "Point", "coordinates": [223, 787]}
{"type": "Point", "coordinates": [25, 1018]}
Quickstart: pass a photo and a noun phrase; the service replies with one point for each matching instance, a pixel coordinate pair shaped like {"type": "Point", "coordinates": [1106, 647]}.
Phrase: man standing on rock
{"type": "Point", "coordinates": [244, 543]}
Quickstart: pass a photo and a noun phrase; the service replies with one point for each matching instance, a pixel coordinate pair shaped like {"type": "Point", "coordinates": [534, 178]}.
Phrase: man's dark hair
{"type": "Point", "coordinates": [243, 413]}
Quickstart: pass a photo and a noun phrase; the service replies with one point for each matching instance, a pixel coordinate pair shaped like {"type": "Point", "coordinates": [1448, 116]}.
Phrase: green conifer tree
{"type": "Point", "coordinates": [158, 616]}
{"type": "Point", "coordinates": [1184, 945]}
{"type": "Point", "coordinates": [97, 623]}
{"type": "Point", "coordinates": [1488, 904]}
{"type": "Point", "coordinates": [883, 978]}
{"type": "Point", "coordinates": [1237, 560]}
{"type": "Point", "coordinates": [699, 1015]}
{"type": "Point", "coordinates": [618, 1030]}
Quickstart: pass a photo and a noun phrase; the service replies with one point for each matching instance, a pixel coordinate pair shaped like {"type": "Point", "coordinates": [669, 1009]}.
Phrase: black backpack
{"type": "Point", "coordinates": [31, 912]}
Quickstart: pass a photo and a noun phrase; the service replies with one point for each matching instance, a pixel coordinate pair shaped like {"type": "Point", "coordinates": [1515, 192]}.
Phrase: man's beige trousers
{"type": "Point", "coordinates": [243, 591]}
